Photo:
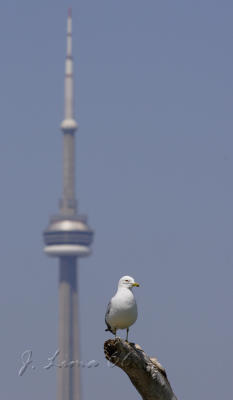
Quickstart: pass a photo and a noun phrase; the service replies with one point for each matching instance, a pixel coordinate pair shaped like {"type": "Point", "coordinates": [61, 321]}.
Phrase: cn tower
{"type": "Point", "coordinates": [68, 237]}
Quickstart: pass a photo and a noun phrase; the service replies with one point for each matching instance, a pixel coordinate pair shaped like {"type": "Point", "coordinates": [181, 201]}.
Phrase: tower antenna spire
{"type": "Point", "coordinates": [69, 120]}
{"type": "Point", "coordinates": [69, 126]}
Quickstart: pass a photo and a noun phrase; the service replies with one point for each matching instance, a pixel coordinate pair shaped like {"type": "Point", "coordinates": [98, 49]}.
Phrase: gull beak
{"type": "Point", "coordinates": [135, 284]}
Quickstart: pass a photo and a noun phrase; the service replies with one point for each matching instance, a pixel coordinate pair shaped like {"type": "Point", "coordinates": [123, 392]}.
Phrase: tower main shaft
{"type": "Point", "coordinates": [68, 237]}
{"type": "Point", "coordinates": [68, 377]}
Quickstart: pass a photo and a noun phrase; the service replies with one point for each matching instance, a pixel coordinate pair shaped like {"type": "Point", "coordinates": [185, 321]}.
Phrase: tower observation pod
{"type": "Point", "coordinates": [69, 238]}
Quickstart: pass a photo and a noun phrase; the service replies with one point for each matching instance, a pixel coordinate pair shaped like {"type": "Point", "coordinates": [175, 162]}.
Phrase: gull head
{"type": "Point", "coordinates": [127, 282]}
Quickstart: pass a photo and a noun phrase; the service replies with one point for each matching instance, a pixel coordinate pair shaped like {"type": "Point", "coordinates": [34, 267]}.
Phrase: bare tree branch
{"type": "Point", "coordinates": [146, 374]}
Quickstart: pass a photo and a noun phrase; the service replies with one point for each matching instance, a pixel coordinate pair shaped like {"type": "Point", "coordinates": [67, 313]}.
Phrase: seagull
{"type": "Point", "coordinates": [122, 309]}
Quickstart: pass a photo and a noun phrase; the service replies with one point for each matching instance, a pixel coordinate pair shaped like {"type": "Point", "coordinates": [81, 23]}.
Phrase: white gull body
{"type": "Point", "coordinates": [122, 309]}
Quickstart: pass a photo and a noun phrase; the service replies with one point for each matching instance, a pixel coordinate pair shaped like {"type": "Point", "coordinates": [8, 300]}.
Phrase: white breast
{"type": "Point", "coordinates": [123, 310]}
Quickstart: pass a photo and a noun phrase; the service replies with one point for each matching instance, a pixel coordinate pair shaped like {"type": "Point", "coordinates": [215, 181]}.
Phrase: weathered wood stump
{"type": "Point", "coordinates": [146, 374]}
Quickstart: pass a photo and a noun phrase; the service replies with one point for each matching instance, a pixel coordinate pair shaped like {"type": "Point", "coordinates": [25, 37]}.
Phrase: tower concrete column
{"type": "Point", "coordinates": [69, 374]}
{"type": "Point", "coordinates": [68, 203]}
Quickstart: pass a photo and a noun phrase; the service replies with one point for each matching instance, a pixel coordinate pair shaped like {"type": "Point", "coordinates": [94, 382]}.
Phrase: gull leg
{"type": "Point", "coordinates": [127, 334]}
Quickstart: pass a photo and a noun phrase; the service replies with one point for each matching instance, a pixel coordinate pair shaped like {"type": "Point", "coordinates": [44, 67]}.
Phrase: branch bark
{"type": "Point", "coordinates": [146, 374]}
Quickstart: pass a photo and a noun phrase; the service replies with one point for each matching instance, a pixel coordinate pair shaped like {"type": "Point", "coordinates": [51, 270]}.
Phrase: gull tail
{"type": "Point", "coordinates": [109, 329]}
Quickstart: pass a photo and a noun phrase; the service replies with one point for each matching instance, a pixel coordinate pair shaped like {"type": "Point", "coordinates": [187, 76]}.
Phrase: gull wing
{"type": "Point", "coordinates": [106, 317]}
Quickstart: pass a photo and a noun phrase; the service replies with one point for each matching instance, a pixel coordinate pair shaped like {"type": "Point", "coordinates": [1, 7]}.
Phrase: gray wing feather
{"type": "Point", "coordinates": [106, 315]}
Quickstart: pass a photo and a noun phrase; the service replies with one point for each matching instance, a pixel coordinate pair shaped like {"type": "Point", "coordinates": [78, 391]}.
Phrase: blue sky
{"type": "Point", "coordinates": [154, 96]}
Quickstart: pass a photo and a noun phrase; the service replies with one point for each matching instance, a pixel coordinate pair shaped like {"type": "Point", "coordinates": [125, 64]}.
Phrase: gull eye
{"type": "Point", "coordinates": [126, 280]}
